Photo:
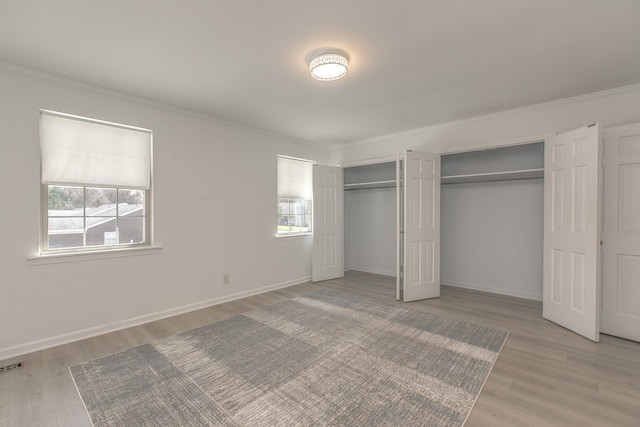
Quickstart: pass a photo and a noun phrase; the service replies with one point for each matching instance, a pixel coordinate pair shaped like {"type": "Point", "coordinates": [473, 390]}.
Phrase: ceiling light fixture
{"type": "Point", "coordinates": [329, 65]}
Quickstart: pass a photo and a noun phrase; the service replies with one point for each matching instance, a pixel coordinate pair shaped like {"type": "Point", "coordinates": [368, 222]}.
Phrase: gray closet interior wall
{"type": "Point", "coordinates": [491, 223]}
{"type": "Point", "coordinates": [370, 218]}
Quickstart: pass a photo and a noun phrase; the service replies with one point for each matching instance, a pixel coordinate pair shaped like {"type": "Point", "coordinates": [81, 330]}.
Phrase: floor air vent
{"type": "Point", "coordinates": [11, 367]}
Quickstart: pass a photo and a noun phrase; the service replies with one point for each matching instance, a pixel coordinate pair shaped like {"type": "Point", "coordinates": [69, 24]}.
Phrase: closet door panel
{"type": "Point", "coordinates": [573, 191]}
{"type": "Point", "coordinates": [328, 223]}
{"type": "Point", "coordinates": [621, 275]}
{"type": "Point", "coordinates": [421, 275]}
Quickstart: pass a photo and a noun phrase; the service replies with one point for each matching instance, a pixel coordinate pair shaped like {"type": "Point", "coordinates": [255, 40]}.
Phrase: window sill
{"type": "Point", "coordinates": [285, 237]}
{"type": "Point", "coordinates": [55, 258]}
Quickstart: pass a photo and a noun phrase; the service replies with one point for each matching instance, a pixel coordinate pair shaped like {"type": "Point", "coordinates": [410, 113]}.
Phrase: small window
{"type": "Point", "coordinates": [96, 184]}
{"type": "Point", "coordinates": [295, 194]}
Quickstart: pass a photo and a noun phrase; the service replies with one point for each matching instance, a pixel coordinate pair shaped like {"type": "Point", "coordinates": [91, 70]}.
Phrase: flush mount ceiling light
{"type": "Point", "coordinates": [329, 65]}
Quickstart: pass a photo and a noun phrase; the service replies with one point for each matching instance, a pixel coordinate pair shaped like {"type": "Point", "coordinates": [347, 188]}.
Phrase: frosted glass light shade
{"type": "Point", "coordinates": [329, 66]}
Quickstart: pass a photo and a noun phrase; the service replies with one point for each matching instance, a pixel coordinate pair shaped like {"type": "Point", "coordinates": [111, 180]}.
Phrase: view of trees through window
{"type": "Point", "coordinates": [294, 215]}
{"type": "Point", "coordinates": [87, 216]}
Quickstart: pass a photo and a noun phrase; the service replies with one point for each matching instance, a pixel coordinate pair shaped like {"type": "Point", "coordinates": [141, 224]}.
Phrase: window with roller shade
{"type": "Point", "coordinates": [295, 194]}
{"type": "Point", "coordinates": [96, 184]}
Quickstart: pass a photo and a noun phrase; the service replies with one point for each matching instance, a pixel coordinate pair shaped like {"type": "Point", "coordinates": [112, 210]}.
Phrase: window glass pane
{"type": "Point", "coordinates": [131, 202]}
{"type": "Point", "coordinates": [101, 232]}
{"type": "Point", "coordinates": [283, 220]}
{"type": "Point", "coordinates": [100, 201]}
{"type": "Point", "coordinates": [89, 216]}
{"type": "Point", "coordinates": [65, 201]}
{"type": "Point", "coordinates": [283, 224]}
{"type": "Point", "coordinates": [131, 229]}
{"type": "Point", "coordinates": [65, 233]}
{"type": "Point", "coordinates": [110, 237]}
{"type": "Point", "coordinates": [299, 224]}
{"type": "Point", "coordinates": [294, 216]}
{"type": "Point", "coordinates": [283, 229]}
{"type": "Point", "coordinates": [283, 206]}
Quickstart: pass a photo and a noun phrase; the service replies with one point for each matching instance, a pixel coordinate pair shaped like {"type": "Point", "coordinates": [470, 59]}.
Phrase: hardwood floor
{"type": "Point", "coordinates": [545, 375]}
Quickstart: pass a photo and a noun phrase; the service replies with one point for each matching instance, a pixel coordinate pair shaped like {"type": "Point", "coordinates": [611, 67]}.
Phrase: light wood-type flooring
{"type": "Point", "coordinates": [545, 375]}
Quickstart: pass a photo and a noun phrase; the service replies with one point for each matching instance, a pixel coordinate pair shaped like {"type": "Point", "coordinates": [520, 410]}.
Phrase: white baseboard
{"type": "Point", "coordinates": [30, 347]}
{"type": "Point", "coordinates": [472, 286]}
{"type": "Point", "coordinates": [371, 270]}
{"type": "Point", "coordinates": [501, 291]}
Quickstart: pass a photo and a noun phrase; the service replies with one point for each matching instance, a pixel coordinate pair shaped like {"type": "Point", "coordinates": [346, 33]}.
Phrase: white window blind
{"type": "Point", "coordinates": [79, 151]}
{"type": "Point", "coordinates": [295, 178]}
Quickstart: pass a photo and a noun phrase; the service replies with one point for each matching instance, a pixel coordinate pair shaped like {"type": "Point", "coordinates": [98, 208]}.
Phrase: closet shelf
{"type": "Point", "coordinates": [459, 179]}
{"type": "Point", "coordinates": [372, 184]}
{"type": "Point", "coordinates": [494, 176]}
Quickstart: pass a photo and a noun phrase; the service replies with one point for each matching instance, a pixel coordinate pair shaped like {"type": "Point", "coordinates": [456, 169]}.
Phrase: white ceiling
{"type": "Point", "coordinates": [414, 63]}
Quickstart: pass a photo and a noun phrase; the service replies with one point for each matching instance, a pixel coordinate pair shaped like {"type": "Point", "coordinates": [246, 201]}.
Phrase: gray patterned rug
{"type": "Point", "coordinates": [325, 358]}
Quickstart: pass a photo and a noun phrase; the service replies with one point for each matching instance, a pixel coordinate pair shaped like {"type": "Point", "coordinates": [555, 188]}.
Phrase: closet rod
{"type": "Point", "coordinates": [494, 176]}
{"type": "Point", "coordinates": [480, 181]}
{"type": "Point", "coordinates": [369, 185]}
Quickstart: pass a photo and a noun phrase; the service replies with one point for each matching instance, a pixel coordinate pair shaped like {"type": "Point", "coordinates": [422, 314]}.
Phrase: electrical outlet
{"type": "Point", "coordinates": [225, 279]}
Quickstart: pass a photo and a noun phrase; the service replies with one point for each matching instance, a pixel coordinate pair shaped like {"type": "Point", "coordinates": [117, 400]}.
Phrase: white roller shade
{"type": "Point", "coordinates": [295, 178]}
{"type": "Point", "coordinates": [77, 151]}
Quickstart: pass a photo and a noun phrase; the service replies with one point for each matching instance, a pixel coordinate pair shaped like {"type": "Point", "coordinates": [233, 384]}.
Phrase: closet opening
{"type": "Point", "coordinates": [370, 218]}
{"type": "Point", "coordinates": [492, 211]}
{"type": "Point", "coordinates": [492, 227]}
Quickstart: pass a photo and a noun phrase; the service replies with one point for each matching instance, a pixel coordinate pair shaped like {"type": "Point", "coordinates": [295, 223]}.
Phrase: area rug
{"type": "Point", "coordinates": [327, 358]}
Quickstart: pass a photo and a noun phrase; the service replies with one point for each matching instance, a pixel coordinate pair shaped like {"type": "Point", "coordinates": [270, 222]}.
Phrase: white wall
{"type": "Point", "coordinates": [215, 214]}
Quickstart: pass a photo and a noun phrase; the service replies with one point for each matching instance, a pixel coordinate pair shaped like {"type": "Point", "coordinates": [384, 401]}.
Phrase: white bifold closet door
{"type": "Point", "coordinates": [419, 227]}
{"type": "Point", "coordinates": [572, 230]}
{"type": "Point", "coordinates": [621, 275]}
{"type": "Point", "coordinates": [328, 223]}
